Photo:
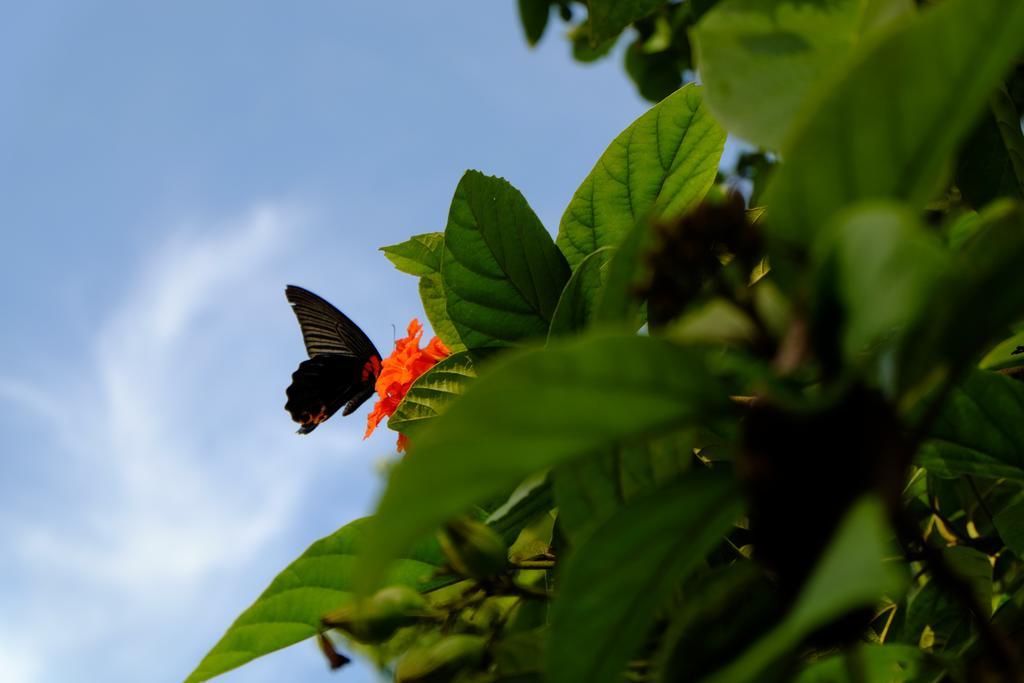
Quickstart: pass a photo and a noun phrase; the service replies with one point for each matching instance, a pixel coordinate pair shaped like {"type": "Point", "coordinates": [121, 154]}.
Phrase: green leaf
{"type": "Point", "coordinates": [590, 490]}
{"type": "Point", "coordinates": [534, 410]}
{"type": "Point", "coordinates": [319, 581]}
{"type": "Point", "coordinates": [852, 573]}
{"type": "Point", "coordinates": [578, 301]}
{"type": "Point", "coordinates": [662, 164]}
{"type": "Point", "coordinates": [434, 390]}
{"type": "Point", "coordinates": [528, 501]}
{"type": "Point", "coordinates": [882, 266]}
{"type": "Point", "coordinates": [889, 125]}
{"type": "Point", "coordinates": [419, 255]}
{"type": "Point", "coordinates": [776, 53]}
{"type": "Point", "coordinates": [617, 302]}
{"type": "Point", "coordinates": [613, 584]}
{"type": "Point", "coordinates": [878, 663]}
{"type": "Point", "coordinates": [992, 161]}
{"type": "Point", "coordinates": [502, 273]}
{"type": "Point", "coordinates": [435, 305]}
{"type": "Point", "coordinates": [979, 430]}
{"type": "Point", "coordinates": [609, 17]}
{"type": "Point", "coordinates": [534, 14]}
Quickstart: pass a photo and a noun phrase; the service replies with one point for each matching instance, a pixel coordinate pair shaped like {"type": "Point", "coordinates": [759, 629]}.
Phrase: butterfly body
{"type": "Point", "coordinates": [342, 367]}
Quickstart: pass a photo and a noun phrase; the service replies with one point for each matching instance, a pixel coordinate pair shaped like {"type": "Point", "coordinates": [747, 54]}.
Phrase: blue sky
{"type": "Point", "coordinates": [165, 169]}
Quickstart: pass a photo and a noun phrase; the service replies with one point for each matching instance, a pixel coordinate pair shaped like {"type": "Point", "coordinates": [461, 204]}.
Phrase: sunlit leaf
{"type": "Point", "coordinates": [662, 164]}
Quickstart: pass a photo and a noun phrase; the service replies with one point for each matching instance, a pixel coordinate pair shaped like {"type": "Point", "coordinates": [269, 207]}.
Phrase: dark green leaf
{"type": "Point", "coordinates": [992, 161]}
{"type": "Point", "coordinates": [980, 430]}
{"type": "Point", "coordinates": [775, 53]}
{"type": "Point", "coordinates": [889, 125]}
{"type": "Point", "coordinates": [955, 329]}
{"type": "Point", "coordinates": [434, 390]}
{"type": "Point", "coordinates": [936, 617]}
{"type": "Point", "coordinates": [319, 581]}
{"type": "Point", "coordinates": [535, 410]}
{"type": "Point", "coordinates": [613, 584]}
{"type": "Point", "coordinates": [502, 272]}
{"type": "Point", "coordinates": [656, 74]}
{"type": "Point", "coordinates": [609, 17]}
{"type": "Point", "coordinates": [1010, 525]}
{"type": "Point", "coordinates": [662, 164]}
{"type": "Point", "coordinates": [852, 573]}
{"type": "Point", "coordinates": [578, 301]}
{"type": "Point", "coordinates": [419, 255]}
{"type": "Point", "coordinates": [534, 14]}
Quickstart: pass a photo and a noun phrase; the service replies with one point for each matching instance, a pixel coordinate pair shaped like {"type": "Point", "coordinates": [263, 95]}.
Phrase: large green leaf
{"type": "Point", "coordinates": [319, 581]}
{"type": "Point", "coordinates": [852, 573]}
{"type": "Point", "coordinates": [607, 18]}
{"type": "Point", "coordinates": [662, 164]}
{"type": "Point", "coordinates": [590, 490]}
{"type": "Point", "coordinates": [933, 609]}
{"type": "Point", "coordinates": [980, 430]}
{"type": "Point", "coordinates": [578, 301]}
{"type": "Point", "coordinates": [992, 161]}
{"type": "Point", "coordinates": [534, 410]}
{"type": "Point", "coordinates": [777, 53]}
{"type": "Point", "coordinates": [881, 268]}
{"type": "Point", "coordinates": [612, 585]}
{"type": "Point", "coordinates": [433, 391]}
{"type": "Point", "coordinates": [889, 125]}
{"type": "Point", "coordinates": [502, 273]}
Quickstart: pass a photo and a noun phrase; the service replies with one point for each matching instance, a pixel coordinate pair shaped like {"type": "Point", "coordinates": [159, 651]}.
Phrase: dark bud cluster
{"type": "Point", "coordinates": [689, 251]}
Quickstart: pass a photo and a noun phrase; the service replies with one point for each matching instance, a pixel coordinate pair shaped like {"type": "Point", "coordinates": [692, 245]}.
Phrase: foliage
{"type": "Point", "coordinates": [808, 466]}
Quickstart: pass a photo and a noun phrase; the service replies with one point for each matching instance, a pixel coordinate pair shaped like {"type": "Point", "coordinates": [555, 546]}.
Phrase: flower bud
{"type": "Point", "coordinates": [473, 549]}
{"type": "Point", "coordinates": [442, 661]}
{"type": "Point", "coordinates": [376, 619]}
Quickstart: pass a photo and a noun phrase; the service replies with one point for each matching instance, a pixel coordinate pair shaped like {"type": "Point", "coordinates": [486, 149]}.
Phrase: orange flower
{"type": "Point", "coordinates": [399, 370]}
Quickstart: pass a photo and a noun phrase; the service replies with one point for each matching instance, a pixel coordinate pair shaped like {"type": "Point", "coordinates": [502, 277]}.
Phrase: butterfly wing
{"type": "Point", "coordinates": [343, 363]}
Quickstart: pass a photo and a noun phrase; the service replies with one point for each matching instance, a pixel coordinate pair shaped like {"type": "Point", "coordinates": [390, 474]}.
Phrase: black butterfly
{"type": "Point", "coordinates": [343, 363]}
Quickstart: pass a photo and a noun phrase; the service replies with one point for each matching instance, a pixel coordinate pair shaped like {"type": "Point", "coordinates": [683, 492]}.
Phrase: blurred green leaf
{"type": "Point", "coordinates": [991, 162]}
{"type": "Point", "coordinates": [776, 53]}
{"type": "Point", "coordinates": [662, 164]}
{"type": "Point", "coordinates": [319, 581]}
{"type": "Point", "coordinates": [433, 390]}
{"type": "Point", "coordinates": [613, 584]}
{"type": "Point", "coordinates": [889, 125]}
{"type": "Point", "coordinates": [875, 663]}
{"type": "Point", "coordinates": [578, 301]}
{"type": "Point", "coordinates": [656, 74]}
{"type": "Point", "coordinates": [590, 490]}
{"type": "Point", "coordinates": [502, 273]}
{"type": "Point", "coordinates": [979, 430]}
{"type": "Point", "coordinates": [881, 267]}
{"type": "Point", "coordinates": [608, 18]}
{"type": "Point", "coordinates": [852, 573]}
{"type": "Point", "coordinates": [534, 14]}
{"type": "Point", "coordinates": [532, 411]}
{"type": "Point", "coordinates": [419, 255]}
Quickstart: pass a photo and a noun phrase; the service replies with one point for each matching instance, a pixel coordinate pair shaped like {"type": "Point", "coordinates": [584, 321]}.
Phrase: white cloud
{"type": "Point", "coordinates": [179, 464]}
